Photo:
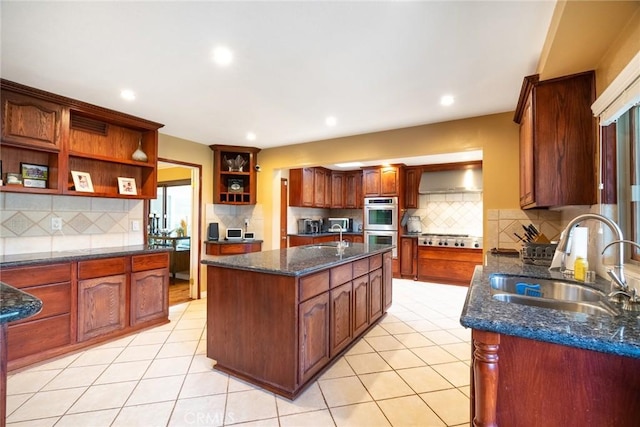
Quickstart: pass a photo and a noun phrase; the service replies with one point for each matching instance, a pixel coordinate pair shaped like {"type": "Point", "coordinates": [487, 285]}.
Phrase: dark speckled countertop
{"type": "Point", "coordinates": [616, 335]}
{"type": "Point", "coordinates": [16, 305]}
{"type": "Point", "coordinates": [20, 260]}
{"type": "Point", "coordinates": [296, 261]}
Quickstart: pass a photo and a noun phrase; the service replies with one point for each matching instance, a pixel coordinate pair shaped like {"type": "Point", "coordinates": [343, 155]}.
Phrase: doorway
{"type": "Point", "coordinates": [174, 220]}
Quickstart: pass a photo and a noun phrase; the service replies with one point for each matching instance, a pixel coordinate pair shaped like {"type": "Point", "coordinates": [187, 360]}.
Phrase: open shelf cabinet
{"type": "Point", "coordinates": [232, 185]}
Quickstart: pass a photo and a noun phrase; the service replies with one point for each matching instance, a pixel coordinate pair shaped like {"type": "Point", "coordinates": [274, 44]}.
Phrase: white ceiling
{"type": "Point", "coordinates": [373, 65]}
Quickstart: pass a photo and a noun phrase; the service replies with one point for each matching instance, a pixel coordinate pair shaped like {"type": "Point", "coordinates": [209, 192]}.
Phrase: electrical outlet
{"type": "Point", "coordinates": [135, 225]}
{"type": "Point", "coordinates": [56, 224]}
{"type": "Point", "coordinates": [246, 221]}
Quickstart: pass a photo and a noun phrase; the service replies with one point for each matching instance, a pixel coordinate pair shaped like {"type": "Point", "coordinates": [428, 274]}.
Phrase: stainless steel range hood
{"type": "Point", "coordinates": [451, 181]}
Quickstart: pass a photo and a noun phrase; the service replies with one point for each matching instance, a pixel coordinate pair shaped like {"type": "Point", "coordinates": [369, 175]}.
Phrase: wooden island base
{"type": "Point", "coordinates": [279, 331]}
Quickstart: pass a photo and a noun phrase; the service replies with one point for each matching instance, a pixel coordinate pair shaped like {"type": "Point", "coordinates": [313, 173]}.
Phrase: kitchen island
{"type": "Point", "coordinates": [279, 318]}
{"type": "Point", "coordinates": [535, 366]}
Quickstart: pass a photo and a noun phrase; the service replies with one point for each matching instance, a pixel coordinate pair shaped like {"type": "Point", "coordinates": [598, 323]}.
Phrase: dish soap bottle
{"type": "Point", "coordinates": [580, 268]}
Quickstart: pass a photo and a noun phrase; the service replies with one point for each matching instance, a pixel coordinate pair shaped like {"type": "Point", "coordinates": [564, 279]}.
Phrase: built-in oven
{"type": "Point", "coordinates": [382, 238]}
{"type": "Point", "coordinates": [381, 213]}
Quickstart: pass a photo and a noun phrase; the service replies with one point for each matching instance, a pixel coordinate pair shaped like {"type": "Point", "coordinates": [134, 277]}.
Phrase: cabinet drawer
{"type": "Point", "coordinates": [56, 299]}
{"type": "Point", "coordinates": [360, 267]}
{"type": "Point", "coordinates": [37, 336]}
{"type": "Point", "coordinates": [149, 262]}
{"type": "Point", "coordinates": [314, 284]}
{"type": "Point", "coordinates": [40, 275]}
{"type": "Point", "coordinates": [234, 249]}
{"type": "Point", "coordinates": [341, 274]}
{"type": "Point", "coordinates": [375, 262]}
{"type": "Point", "coordinates": [101, 267]}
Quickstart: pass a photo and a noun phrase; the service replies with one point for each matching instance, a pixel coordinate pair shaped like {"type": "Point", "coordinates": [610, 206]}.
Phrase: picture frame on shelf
{"type": "Point", "coordinates": [33, 171]}
{"type": "Point", "coordinates": [82, 181]}
{"type": "Point", "coordinates": [127, 186]}
{"type": "Point", "coordinates": [13, 179]}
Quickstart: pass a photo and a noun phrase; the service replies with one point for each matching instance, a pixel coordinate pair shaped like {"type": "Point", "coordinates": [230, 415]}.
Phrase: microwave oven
{"type": "Point", "coordinates": [342, 222]}
{"type": "Point", "coordinates": [234, 234]}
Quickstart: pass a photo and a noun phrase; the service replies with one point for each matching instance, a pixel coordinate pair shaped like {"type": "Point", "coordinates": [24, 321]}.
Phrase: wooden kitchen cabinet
{"type": "Point", "coordinates": [337, 190]}
{"type": "Point", "coordinates": [447, 265]}
{"type": "Point", "coordinates": [409, 257]}
{"type": "Point", "coordinates": [102, 295]}
{"type": "Point", "coordinates": [375, 295]}
{"type": "Point", "coordinates": [67, 135]}
{"type": "Point", "coordinates": [149, 288]}
{"type": "Point", "coordinates": [314, 335]}
{"type": "Point", "coordinates": [557, 141]}
{"type": "Point", "coordinates": [231, 186]}
{"type": "Point", "coordinates": [411, 185]}
{"type": "Point", "coordinates": [321, 192]}
{"type": "Point", "coordinates": [341, 332]}
{"type": "Point", "coordinates": [212, 248]}
{"type": "Point", "coordinates": [382, 181]}
{"type": "Point", "coordinates": [361, 303]}
{"type": "Point", "coordinates": [300, 240]}
{"type": "Point", "coordinates": [353, 198]}
{"type": "Point", "coordinates": [387, 276]}
{"type": "Point", "coordinates": [301, 187]}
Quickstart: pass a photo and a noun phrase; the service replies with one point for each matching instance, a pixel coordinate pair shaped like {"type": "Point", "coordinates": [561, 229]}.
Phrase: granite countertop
{"type": "Point", "coordinates": [618, 335]}
{"type": "Point", "coordinates": [231, 242]}
{"type": "Point", "coordinates": [20, 260]}
{"type": "Point", "coordinates": [16, 305]}
{"type": "Point", "coordinates": [296, 261]}
{"type": "Point", "coordinates": [327, 233]}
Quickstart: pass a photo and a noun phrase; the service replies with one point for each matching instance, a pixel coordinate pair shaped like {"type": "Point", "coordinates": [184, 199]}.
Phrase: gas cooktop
{"type": "Point", "coordinates": [455, 241]}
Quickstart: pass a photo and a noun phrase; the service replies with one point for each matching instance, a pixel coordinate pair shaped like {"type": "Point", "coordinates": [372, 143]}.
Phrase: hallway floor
{"type": "Point", "coordinates": [412, 369]}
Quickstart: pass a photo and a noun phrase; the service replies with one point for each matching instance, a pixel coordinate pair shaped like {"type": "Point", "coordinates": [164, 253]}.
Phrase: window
{"type": "Point", "coordinates": [172, 206]}
{"type": "Point", "coordinates": [628, 165]}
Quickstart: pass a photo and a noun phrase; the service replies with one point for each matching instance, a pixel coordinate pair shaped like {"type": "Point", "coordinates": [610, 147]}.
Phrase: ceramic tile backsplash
{"type": "Point", "coordinates": [504, 224]}
{"type": "Point", "coordinates": [233, 216]}
{"type": "Point", "coordinates": [87, 223]}
{"type": "Point", "coordinates": [451, 213]}
{"type": "Point", "coordinates": [295, 213]}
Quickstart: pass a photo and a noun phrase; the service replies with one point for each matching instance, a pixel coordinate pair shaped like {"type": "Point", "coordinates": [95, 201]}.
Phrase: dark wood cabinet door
{"type": "Point", "coordinates": [387, 276]}
{"type": "Point", "coordinates": [101, 306]}
{"type": "Point", "coordinates": [319, 187]}
{"type": "Point", "coordinates": [341, 325]}
{"type": "Point", "coordinates": [375, 295]}
{"type": "Point", "coordinates": [371, 182]}
{"type": "Point", "coordinates": [360, 304]}
{"type": "Point", "coordinates": [337, 190]}
{"type": "Point", "coordinates": [313, 335]}
{"type": "Point", "coordinates": [353, 190]}
{"type": "Point", "coordinates": [408, 256]}
{"type": "Point", "coordinates": [301, 187]}
{"type": "Point", "coordinates": [389, 181]}
{"type": "Point", "coordinates": [411, 184]}
{"type": "Point", "coordinates": [30, 121]}
{"type": "Point", "coordinates": [526, 155]}
{"type": "Point", "coordinates": [149, 295]}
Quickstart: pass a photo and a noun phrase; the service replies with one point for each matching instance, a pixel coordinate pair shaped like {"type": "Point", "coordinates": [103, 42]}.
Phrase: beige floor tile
{"type": "Point", "coordinates": [128, 371]}
{"type": "Point", "coordinates": [344, 391]}
{"type": "Point", "coordinates": [151, 414]}
{"type": "Point", "coordinates": [405, 316]}
{"type": "Point", "coordinates": [150, 337]}
{"type": "Point", "coordinates": [185, 335]}
{"type": "Point", "coordinates": [14, 401]}
{"type": "Point", "coordinates": [434, 355]}
{"type": "Point", "coordinates": [308, 419]}
{"type": "Point", "coordinates": [441, 337]}
{"type": "Point", "coordinates": [446, 323]}
{"type": "Point", "coordinates": [463, 333]}
{"type": "Point", "coordinates": [200, 363]}
{"type": "Point", "coordinates": [360, 347]}
{"type": "Point", "coordinates": [236, 384]}
{"type": "Point", "coordinates": [250, 405]}
{"type": "Point", "coordinates": [168, 367]}
{"type": "Point", "coordinates": [340, 368]}
{"type": "Point", "coordinates": [40, 422]}
{"type": "Point", "coordinates": [310, 400]}
{"type": "Point", "coordinates": [30, 381]}
{"type": "Point", "coordinates": [75, 377]}
{"type": "Point", "coordinates": [410, 411]}
{"type": "Point", "coordinates": [387, 342]}
{"type": "Point", "coordinates": [466, 390]}
{"type": "Point", "coordinates": [94, 419]}
{"type": "Point", "coordinates": [422, 325]}
{"type": "Point", "coordinates": [97, 356]}
{"type": "Point", "coordinates": [190, 324]}
{"type": "Point", "coordinates": [457, 373]}
{"type": "Point", "coordinates": [202, 347]}
{"type": "Point", "coordinates": [57, 363]}
{"type": "Point", "coordinates": [401, 359]}
{"type": "Point", "coordinates": [105, 396]}
{"type": "Point", "coordinates": [204, 384]}
{"type": "Point", "coordinates": [360, 415]}
{"type": "Point", "coordinates": [46, 404]}
{"type": "Point", "coordinates": [389, 318]}
{"type": "Point", "coordinates": [156, 390]}
{"type": "Point", "coordinates": [120, 342]}
{"type": "Point", "coordinates": [271, 422]}
{"type": "Point", "coordinates": [450, 405]}
{"type": "Point", "coordinates": [138, 352]}
{"type": "Point", "coordinates": [413, 340]}
{"type": "Point", "coordinates": [385, 385]}
{"type": "Point", "coordinates": [367, 363]}
{"type": "Point", "coordinates": [199, 411]}
{"type": "Point", "coordinates": [460, 350]}
{"type": "Point", "coordinates": [424, 379]}
{"type": "Point", "coordinates": [397, 328]}
{"type": "Point", "coordinates": [175, 349]}
{"type": "Point", "coordinates": [376, 331]}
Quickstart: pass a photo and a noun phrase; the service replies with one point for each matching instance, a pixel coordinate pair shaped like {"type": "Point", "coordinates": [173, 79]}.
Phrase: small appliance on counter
{"type": "Point", "coordinates": [414, 226]}
{"type": "Point", "coordinates": [346, 224]}
{"type": "Point", "coordinates": [234, 234]}
{"type": "Point", "coordinates": [308, 226]}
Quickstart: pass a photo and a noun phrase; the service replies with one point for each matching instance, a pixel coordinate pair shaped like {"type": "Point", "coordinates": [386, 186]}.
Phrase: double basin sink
{"type": "Point", "coordinates": [551, 293]}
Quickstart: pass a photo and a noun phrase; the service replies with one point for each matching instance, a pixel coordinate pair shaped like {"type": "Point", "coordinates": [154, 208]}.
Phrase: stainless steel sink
{"type": "Point", "coordinates": [550, 293]}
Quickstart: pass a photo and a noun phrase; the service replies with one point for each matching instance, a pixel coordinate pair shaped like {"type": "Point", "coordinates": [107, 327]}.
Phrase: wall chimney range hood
{"type": "Point", "coordinates": [451, 181]}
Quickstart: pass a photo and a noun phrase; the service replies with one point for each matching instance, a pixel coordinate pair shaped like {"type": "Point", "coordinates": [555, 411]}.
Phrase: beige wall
{"type": "Point", "coordinates": [173, 174]}
{"type": "Point", "coordinates": [496, 135]}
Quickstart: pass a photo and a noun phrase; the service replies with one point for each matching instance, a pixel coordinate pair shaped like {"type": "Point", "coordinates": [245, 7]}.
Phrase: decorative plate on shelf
{"type": "Point", "coordinates": [235, 185]}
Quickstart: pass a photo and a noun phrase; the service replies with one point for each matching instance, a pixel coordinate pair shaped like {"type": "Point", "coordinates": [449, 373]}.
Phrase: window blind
{"type": "Point", "coordinates": [622, 94]}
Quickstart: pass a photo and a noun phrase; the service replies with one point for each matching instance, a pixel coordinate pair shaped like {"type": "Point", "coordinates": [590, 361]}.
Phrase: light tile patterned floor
{"type": "Point", "coordinates": [412, 369]}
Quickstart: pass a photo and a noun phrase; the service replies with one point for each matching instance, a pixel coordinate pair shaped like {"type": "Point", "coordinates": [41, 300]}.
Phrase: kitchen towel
{"type": "Point", "coordinates": [578, 245]}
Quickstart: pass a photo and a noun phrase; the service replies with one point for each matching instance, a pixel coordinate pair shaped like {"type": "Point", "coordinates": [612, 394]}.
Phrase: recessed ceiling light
{"type": "Point", "coordinates": [251, 136]}
{"type": "Point", "coordinates": [127, 94]}
{"type": "Point", "coordinates": [331, 121]}
{"type": "Point", "coordinates": [222, 56]}
{"type": "Point", "coordinates": [446, 100]}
